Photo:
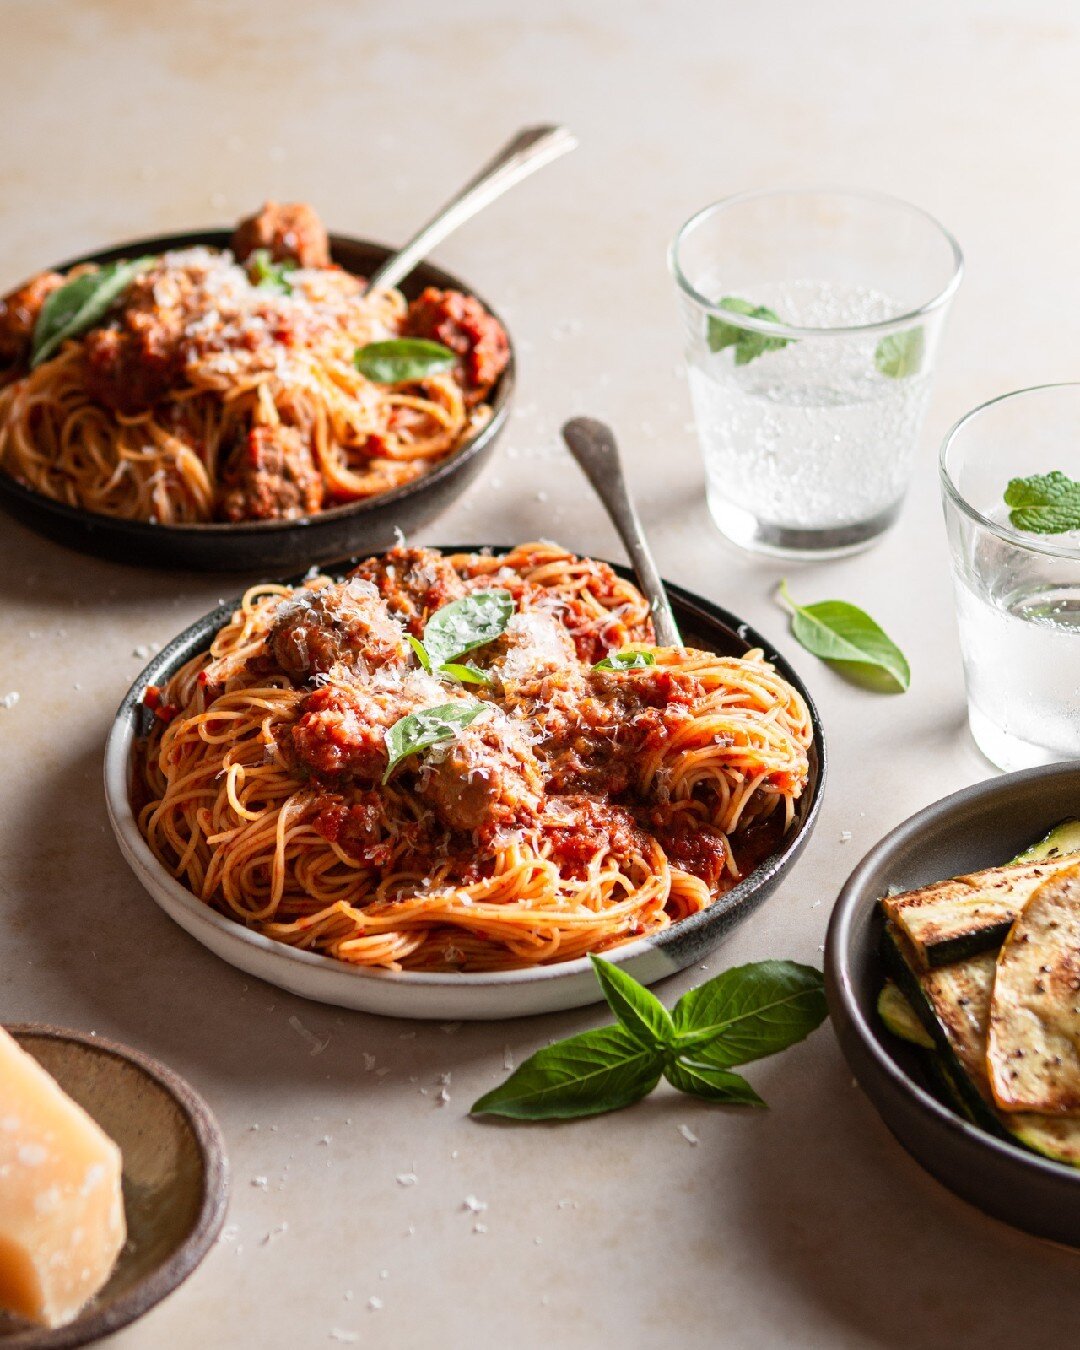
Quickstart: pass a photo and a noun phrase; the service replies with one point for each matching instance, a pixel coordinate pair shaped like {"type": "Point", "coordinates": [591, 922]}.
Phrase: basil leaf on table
{"type": "Point", "coordinates": [641, 1013]}
{"type": "Point", "coordinates": [744, 1014]}
{"type": "Point", "coordinates": [465, 624]}
{"type": "Point", "coordinates": [1047, 503]}
{"type": "Point", "coordinates": [585, 1075]}
{"type": "Point", "coordinates": [900, 354]}
{"type": "Point", "coordinates": [431, 726]}
{"type": "Point", "coordinates": [626, 661]}
{"type": "Point", "coordinates": [403, 360]}
{"type": "Point", "coordinates": [269, 275]}
{"type": "Point", "coordinates": [712, 1085]}
{"type": "Point", "coordinates": [81, 303]}
{"type": "Point", "coordinates": [748, 344]}
{"type": "Point", "coordinates": [838, 631]}
{"type": "Point", "coordinates": [749, 1012]}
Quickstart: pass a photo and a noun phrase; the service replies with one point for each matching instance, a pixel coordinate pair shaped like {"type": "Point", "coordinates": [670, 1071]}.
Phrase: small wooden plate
{"type": "Point", "coordinates": [175, 1177]}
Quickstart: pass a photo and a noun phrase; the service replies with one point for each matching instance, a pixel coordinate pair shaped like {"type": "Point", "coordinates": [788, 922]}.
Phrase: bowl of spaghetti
{"type": "Point", "coordinates": [433, 786]}
{"type": "Point", "coordinates": [234, 400]}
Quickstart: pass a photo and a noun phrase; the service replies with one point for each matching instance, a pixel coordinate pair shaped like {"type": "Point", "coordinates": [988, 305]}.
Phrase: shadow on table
{"type": "Point", "coordinates": [836, 1209]}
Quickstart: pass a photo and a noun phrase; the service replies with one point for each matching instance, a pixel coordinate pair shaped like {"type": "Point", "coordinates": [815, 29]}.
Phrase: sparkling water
{"type": "Point", "coordinates": [1021, 642]}
{"type": "Point", "coordinates": [809, 446]}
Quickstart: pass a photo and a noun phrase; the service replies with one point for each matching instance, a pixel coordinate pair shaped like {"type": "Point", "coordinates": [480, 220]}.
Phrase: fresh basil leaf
{"type": "Point", "coordinates": [269, 275]}
{"type": "Point", "coordinates": [403, 360]}
{"type": "Point", "coordinates": [749, 1012]}
{"type": "Point", "coordinates": [81, 303]}
{"type": "Point", "coordinates": [420, 650]}
{"type": "Point", "coordinates": [626, 661]}
{"type": "Point", "coordinates": [473, 621]}
{"type": "Point", "coordinates": [901, 354]}
{"type": "Point", "coordinates": [642, 1014]}
{"type": "Point", "coordinates": [748, 344]}
{"type": "Point", "coordinates": [431, 726]}
{"type": "Point", "coordinates": [466, 674]}
{"type": "Point", "coordinates": [1047, 503]}
{"type": "Point", "coordinates": [585, 1075]}
{"type": "Point", "coordinates": [714, 1085]}
{"type": "Point", "coordinates": [837, 631]}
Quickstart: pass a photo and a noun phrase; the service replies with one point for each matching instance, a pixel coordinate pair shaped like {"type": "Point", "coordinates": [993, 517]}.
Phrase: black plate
{"type": "Point", "coordinates": [365, 527]}
{"type": "Point", "coordinates": [703, 625]}
{"type": "Point", "coordinates": [980, 827]}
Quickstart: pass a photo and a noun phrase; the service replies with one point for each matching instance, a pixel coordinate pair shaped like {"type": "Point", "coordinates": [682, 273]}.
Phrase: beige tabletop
{"type": "Point", "coordinates": [803, 1226]}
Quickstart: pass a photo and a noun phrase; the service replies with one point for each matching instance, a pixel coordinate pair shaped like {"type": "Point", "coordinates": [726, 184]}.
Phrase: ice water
{"type": "Point", "coordinates": [1020, 636]}
{"type": "Point", "coordinates": [808, 447]}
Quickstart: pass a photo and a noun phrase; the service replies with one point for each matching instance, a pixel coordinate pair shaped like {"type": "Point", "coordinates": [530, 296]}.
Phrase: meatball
{"type": "Point", "coordinates": [316, 630]}
{"type": "Point", "coordinates": [487, 777]}
{"type": "Point", "coordinates": [414, 582]}
{"type": "Point", "coordinates": [272, 477]}
{"type": "Point", "coordinates": [461, 323]}
{"type": "Point", "coordinates": [134, 362]}
{"type": "Point", "coordinates": [19, 312]}
{"type": "Point", "coordinates": [289, 230]}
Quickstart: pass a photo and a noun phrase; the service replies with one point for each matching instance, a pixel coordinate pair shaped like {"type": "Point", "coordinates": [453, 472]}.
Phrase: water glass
{"type": "Point", "coordinates": [812, 320]}
{"type": "Point", "coordinates": [1017, 592]}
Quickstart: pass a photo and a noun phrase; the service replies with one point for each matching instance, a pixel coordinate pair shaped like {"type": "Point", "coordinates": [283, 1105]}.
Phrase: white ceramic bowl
{"type": "Point", "coordinates": [517, 993]}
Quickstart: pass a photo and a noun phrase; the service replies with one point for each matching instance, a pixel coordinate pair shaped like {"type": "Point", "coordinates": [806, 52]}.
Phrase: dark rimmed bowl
{"type": "Point", "coordinates": [174, 1176]}
{"type": "Point", "coordinates": [280, 545]}
{"type": "Point", "coordinates": [979, 827]}
{"type": "Point", "coordinates": [487, 996]}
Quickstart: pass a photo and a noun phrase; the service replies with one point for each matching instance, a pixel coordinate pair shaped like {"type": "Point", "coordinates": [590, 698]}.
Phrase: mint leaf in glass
{"type": "Point", "coordinates": [1047, 503]}
{"type": "Point", "coordinates": [842, 633]}
{"type": "Point", "coordinates": [748, 344]}
{"type": "Point", "coordinates": [900, 354]}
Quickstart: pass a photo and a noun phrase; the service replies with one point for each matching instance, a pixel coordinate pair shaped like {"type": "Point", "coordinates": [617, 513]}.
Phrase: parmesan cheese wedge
{"type": "Point", "coordinates": [1034, 1050]}
{"type": "Point", "coordinates": [61, 1209]}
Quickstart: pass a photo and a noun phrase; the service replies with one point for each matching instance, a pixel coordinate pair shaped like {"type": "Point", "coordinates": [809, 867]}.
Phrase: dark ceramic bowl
{"type": "Point", "coordinates": [175, 1177]}
{"type": "Point", "coordinates": [277, 545]}
{"type": "Point", "coordinates": [515, 993]}
{"type": "Point", "coordinates": [981, 826]}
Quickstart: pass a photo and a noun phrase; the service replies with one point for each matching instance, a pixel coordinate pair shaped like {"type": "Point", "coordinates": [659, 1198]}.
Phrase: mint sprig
{"type": "Point", "coordinates": [1046, 503]}
{"type": "Point", "coordinates": [741, 1015]}
{"type": "Point", "coordinates": [848, 637]}
{"type": "Point", "coordinates": [896, 356]}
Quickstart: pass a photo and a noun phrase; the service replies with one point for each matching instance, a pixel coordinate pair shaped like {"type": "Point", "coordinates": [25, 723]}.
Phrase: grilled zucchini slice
{"type": "Point", "coordinates": [895, 1010]}
{"type": "Point", "coordinates": [1062, 839]}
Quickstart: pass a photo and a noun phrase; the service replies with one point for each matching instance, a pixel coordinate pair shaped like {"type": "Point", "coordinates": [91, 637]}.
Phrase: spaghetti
{"type": "Point", "coordinates": [222, 386]}
{"type": "Point", "coordinates": [578, 809]}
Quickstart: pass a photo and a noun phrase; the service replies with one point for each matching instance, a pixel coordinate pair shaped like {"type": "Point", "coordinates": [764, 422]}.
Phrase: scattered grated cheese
{"type": "Point", "coordinates": [407, 1178]}
{"type": "Point", "coordinates": [845, 835]}
{"type": "Point", "coordinates": [473, 1205]}
{"type": "Point", "coordinates": [336, 1334]}
{"type": "Point", "coordinates": [277, 1232]}
{"type": "Point", "coordinates": [9, 700]}
{"type": "Point", "coordinates": [374, 1303]}
{"type": "Point", "coordinates": [316, 1045]}
{"type": "Point", "coordinates": [261, 1182]}
{"type": "Point", "coordinates": [688, 1134]}
{"type": "Point", "coordinates": [479, 1228]}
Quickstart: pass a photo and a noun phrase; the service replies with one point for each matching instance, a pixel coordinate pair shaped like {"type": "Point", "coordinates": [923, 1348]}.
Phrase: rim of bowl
{"type": "Point", "coordinates": [771, 329]}
{"type": "Point", "coordinates": [837, 942]}
{"type": "Point", "coordinates": [1031, 543]}
{"type": "Point", "coordinates": [150, 871]}
{"type": "Point", "coordinates": [218, 236]}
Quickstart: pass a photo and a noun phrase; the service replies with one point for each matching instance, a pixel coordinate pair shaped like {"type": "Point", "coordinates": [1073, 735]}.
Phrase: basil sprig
{"type": "Point", "coordinates": [626, 661]}
{"type": "Point", "coordinates": [81, 303]}
{"type": "Point", "coordinates": [846, 635]}
{"type": "Point", "coordinates": [895, 356]}
{"type": "Point", "coordinates": [742, 1015]}
{"type": "Point", "coordinates": [269, 275]}
{"type": "Point", "coordinates": [403, 360]}
{"type": "Point", "coordinates": [459, 628]}
{"type": "Point", "coordinates": [1045, 503]}
{"type": "Point", "coordinates": [429, 727]}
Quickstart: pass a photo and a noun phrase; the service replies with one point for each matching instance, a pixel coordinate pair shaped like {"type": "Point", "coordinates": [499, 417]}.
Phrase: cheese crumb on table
{"type": "Point", "coordinates": [61, 1208]}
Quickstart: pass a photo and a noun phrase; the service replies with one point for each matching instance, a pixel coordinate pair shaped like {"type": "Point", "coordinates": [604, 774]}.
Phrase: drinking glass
{"type": "Point", "coordinates": [812, 320]}
{"type": "Point", "coordinates": [1017, 593]}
